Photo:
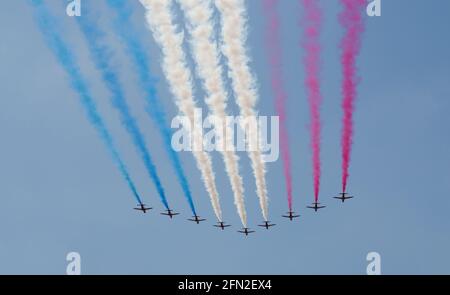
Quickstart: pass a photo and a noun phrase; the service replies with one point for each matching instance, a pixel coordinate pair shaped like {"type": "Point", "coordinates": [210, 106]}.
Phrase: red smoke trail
{"type": "Point", "coordinates": [275, 56]}
{"type": "Point", "coordinates": [312, 26]}
{"type": "Point", "coordinates": [352, 21]}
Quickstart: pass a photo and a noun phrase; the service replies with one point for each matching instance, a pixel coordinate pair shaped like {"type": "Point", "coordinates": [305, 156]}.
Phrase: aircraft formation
{"type": "Point", "coordinates": [245, 231]}
{"type": "Point", "coordinates": [223, 27]}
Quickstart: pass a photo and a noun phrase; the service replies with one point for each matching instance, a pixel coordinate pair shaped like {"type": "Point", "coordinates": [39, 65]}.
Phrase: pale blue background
{"type": "Point", "coordinates": [60, 192]}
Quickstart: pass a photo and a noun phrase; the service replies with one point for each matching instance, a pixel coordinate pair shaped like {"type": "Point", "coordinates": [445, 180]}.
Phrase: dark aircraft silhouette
{"type": "Point", "coordinates": [245, 231]}
{"type": "Point", "coordinates": [315, 206]}
{"type": "Point", "coordinates": [141, 207]}
{"type": "Point", "coordinates": [196, 219]}
{"type": "Point", "coordinates": [291, 215]}
{"type": "Point", "coordinates": [222, 225]}
{"type": "Point", "coordinates": [169, 213]}
{"type": "Point", "coordinates": [343, 197]}
{"type": "Point", "coordinates": [267, 224]}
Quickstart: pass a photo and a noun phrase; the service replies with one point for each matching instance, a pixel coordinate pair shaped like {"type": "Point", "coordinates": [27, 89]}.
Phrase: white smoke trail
{"type": "Point", "coordinates": [160, 20]}
{"type": "Point", "coordinates": [234, 34]}
{"type": "Point", "coordinates": [206, 56]}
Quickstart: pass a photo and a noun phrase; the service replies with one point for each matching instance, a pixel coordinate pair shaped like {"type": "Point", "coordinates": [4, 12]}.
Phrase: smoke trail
{"type": "Point", "coordinates": [66, 58]}
{"type": "Point", "coordinates": [273, 40]}
{"type": "Point", "coordinates": [140, 59]}
{"type": "Point", "coordinates": [160, 20]}
{"type": "Point", "coordinates": [234, 33]}
{"type": "Point", "coordinates": [352, 21]}
{"type": "Point", "coordinates": [206, 56]}
{"type": "Point", "coordinates": [100, 55]}
{"type": "Point", "coordinates": [311, 44]}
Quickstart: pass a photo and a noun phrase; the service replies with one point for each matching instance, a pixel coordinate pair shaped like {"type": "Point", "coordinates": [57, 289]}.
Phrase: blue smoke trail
{"type": "Point", "coordinates": [101, 56]}
{"type": "Point", "coordinates": [141, 61]}
{"type": "Point", "coordinates": [65, 57]}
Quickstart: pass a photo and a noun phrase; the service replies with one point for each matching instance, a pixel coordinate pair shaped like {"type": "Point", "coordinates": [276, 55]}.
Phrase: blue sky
{"type": "Point", "coordinates": [60, 191]}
